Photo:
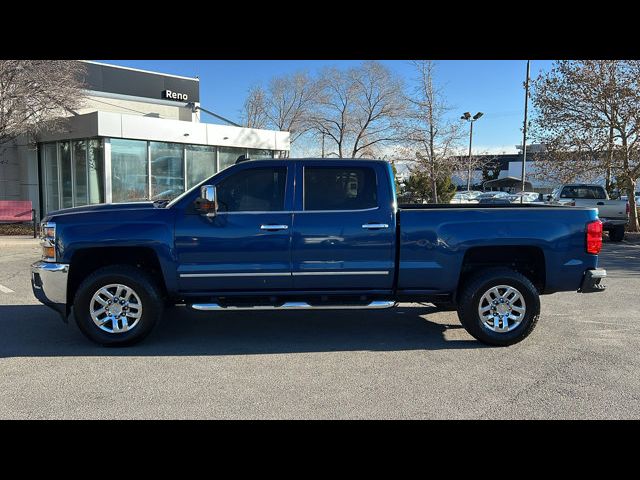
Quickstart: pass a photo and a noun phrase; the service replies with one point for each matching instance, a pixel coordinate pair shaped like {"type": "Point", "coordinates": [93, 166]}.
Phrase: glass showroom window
{"type": "Point", "coordinates": [95, 167]}
{"type": "Point", "coordinates": [201, 163]}
{"type": "Point", "coordinates": [88, 173]}
{"type": "Point", "coordinates": [257, 154]}
{"type": "Point", "coordinates": [167, 170]}
{"type": "Point", "coordinates": [129, 170]}
{"type": "Point", "coordinates": [50, 176]}
{"type": "Point", "coordinates": [227, 156]}
{"type": "Point", "coordinates": [66, 180]}
{"type": "Point", "coordinates": [80, 175]}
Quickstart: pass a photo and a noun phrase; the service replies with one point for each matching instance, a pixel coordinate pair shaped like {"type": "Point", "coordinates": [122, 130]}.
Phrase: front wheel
{"type": "Point", "coordinates": [499, 306]}
{"type": "Point", "coordinates": [117, 305]}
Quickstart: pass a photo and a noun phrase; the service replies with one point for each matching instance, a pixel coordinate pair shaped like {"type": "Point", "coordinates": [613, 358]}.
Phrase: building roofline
{"type": "Point", "coordinates": [140, 70]}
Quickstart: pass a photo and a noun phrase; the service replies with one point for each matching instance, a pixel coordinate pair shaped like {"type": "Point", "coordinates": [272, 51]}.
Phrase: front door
{"type": "Point", "coordinates": [247, 245]}
{"type": "Point", "coordinates": [343, 228]}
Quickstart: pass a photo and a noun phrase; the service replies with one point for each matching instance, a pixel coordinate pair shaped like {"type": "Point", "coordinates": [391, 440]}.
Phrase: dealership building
{"type": "Point", "coordinates": [137, 136]}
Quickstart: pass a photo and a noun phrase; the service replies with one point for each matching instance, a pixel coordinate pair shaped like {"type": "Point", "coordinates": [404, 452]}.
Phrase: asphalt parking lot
{"type": "Point", "coordinates": [581, 362]}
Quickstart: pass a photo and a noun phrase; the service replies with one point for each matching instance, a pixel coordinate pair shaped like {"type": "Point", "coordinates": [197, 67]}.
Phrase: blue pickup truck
{"type": "Point", "coordinates": [301, 234]}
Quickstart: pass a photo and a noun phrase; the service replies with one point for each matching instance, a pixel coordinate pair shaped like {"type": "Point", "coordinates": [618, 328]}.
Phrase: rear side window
{"type": "Point", "coordinates": [253, 190]}
{"type": "Point", "coordinates": [583, 192]}
{"type": "Point", "coordinates": [340, 188]}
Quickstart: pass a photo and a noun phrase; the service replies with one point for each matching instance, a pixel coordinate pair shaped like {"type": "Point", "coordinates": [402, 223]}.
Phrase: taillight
{"type": "Point", "coordinates": [594, 237]}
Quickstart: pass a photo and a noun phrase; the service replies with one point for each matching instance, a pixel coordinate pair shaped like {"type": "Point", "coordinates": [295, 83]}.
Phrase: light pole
{"type": "Point", "coordinates": [467, 117]}
{"type": "Point", "coordinates": [524, 130]}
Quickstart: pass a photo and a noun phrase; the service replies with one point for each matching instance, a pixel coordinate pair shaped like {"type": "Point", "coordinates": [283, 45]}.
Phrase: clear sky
{"type": "Point", "coordinates": [494, 87]}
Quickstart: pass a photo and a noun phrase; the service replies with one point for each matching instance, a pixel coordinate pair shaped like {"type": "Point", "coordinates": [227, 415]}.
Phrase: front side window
{"type": "Point", "coordinates": [253, 190]}
{"type": "Point", "coordinates": [340, 188]}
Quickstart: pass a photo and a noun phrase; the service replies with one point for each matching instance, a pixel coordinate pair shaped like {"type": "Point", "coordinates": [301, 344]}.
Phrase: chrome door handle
{"type": "Point", "coordinates": [273, 227]}
{"type": "Point", "coordinates": [375, 226]}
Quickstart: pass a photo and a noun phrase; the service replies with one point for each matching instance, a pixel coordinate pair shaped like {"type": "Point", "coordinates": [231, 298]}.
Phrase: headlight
{"type": "Point", "coordinates": [48, 241]}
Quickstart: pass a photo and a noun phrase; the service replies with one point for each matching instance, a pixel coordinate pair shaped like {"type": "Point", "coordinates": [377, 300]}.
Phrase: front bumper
{"type": "Point", "coordinates": [591, 281]}
{"type": "Point", "coordinates": [49, 284]}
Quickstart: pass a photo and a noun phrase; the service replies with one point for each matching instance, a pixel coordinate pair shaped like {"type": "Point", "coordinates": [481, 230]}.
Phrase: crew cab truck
{"type": "Point", "coordinates": [614, 214]}
{"type": "Point", "coordinates": [300, 234]}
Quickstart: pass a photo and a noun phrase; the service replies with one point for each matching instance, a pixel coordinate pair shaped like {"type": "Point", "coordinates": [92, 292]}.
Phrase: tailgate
{"type": "Point", "coordinates": [613, 209]}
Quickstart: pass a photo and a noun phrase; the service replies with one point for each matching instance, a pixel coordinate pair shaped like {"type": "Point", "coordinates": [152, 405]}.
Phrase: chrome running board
{"type": "Point", "coordinates": [294, 306]}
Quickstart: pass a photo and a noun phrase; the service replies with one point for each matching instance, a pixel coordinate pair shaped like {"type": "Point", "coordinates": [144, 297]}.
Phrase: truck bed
{"type": "Point", "coordinates": [435, 239]}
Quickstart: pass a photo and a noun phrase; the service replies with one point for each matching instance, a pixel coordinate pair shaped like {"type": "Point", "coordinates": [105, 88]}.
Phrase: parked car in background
{"type": "Point", "coordinates": [502, 200]}
{"type": "Point", "coordinates": [527, 197]}
{"type": "Point", "coordinates": [473, 194]}
{"type": "Point", "coordinates": [496, 194]}
{"type": "Point", "coordinates": [613, 213]}
{"type": "Point", "coordinates": [466, 196]}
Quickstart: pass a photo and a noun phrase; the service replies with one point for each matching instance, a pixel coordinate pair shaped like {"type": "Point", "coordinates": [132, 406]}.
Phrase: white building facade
{"type": "Point", "coordinates": [137, 136]}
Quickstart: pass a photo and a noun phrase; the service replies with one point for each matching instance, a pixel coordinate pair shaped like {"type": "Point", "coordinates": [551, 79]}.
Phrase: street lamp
{"type": "Point", "coordinates": [466, 116]}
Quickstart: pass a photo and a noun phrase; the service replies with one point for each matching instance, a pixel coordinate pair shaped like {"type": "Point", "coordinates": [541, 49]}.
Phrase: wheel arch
{"type": "Point", "coordinates": [525, 259]}
{"type": "Point", "coordinates": [88, 260]}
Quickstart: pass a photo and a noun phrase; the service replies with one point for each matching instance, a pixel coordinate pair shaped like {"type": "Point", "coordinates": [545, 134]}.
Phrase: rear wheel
{"type": "Point", "coordinates": [117, 305]}
{"type": "Point", "coordinates": [499, 306]}
{"type": "Point", "coordinates": [617, 234]}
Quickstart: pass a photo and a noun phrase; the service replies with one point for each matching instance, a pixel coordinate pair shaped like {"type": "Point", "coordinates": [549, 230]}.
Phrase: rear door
{"type": "Point", "coordinates": [343, 227]}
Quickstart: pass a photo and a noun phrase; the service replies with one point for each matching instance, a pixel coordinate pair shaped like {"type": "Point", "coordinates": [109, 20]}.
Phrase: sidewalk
{"type": "Point", "coordinates": [18, 240]}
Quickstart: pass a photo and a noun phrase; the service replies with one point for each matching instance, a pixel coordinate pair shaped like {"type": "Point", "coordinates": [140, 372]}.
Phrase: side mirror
{"type": "Point", "coordinates": [548, 198]}
{"type": "Point", "coordinates": [207, 203]}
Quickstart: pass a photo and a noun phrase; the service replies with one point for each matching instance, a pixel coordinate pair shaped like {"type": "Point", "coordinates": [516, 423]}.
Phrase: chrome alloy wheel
{"type": "Point", "coordinates": [502, 308]}
{"type": "Point", "coordinates": [115, 308]}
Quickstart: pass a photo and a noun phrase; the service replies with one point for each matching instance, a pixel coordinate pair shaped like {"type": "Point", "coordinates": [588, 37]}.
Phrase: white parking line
{"type": "Point", "coordinates": [4, 289]}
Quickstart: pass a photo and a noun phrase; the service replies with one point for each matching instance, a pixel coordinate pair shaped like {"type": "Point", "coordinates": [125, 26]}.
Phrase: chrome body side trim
{"type": "Point", "coordinates": [281, 274]}
{"type": "Point", "coordinates": [257, 274]}
{"type": "Point", "coordinates": [338, 272]}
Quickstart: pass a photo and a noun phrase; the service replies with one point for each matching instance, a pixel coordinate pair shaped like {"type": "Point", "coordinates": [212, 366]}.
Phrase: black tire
{"type": "Point", "coordinates": [144, 286]}
{"type": "Point", "coordinates": [616, 234]}
{"type": "Point", "coordinates": [445, 306]}
{"type": "Point", "coordinates": [471, 296]}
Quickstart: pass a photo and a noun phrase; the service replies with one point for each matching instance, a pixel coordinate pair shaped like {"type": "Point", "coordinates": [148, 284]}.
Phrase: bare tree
{"type": "Point", "coordinates": [254, 113]}
{"type": "Point", "coordinates": [285, 105]}
{"type": "Point", "coordinates": [360, 109]}
{"type": "Point", "coordinates": [430, 136]}
{"type": "Point", "coordinates": [588, 116]}
{"type": "Point", "coordinates": [290, 101]}
{"type": "Point", "coordinates": [37, 95]}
